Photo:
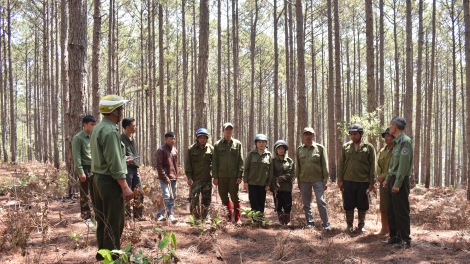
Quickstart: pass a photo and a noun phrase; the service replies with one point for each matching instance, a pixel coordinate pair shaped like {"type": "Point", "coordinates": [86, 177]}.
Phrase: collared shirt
{"type": "Point", "coordinates": [258, 168]}
{"type": "Point", "coordinates": [401, 163]}
{"type": "Point", "coordinates": [228, 160]}
{"type": "Point", "coordinates": [357, 165]}
{"type": "Point", "coordinates": [284, 172]}
{"type": "Point", "coordinates": [383, 161]}
{"type": "Point", "coordinates": [312, 163]}
{"type": "Point", "coordinates": [130, 151]}
{"type": "Point", "coordinates": [198, 165]}
{"type": "Point", "coordinates": [81, 151]}
{"type": "Point", "coordinates": [108, 153]}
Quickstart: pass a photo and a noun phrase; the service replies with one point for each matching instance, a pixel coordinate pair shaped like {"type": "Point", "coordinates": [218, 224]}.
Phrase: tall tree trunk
{"type": "Point", "coordinates": [55, 85]}
{"type": "Point", "coordinates": [13, 136]}
{"type": "Point", "coordinates": [396, 108]}
{"type": "Point", "coordinates": [111, 69]}
{"type": "Point", "coordinates": [466, 7]}
{"type": "Point", "coordinates": [29, 141]}
{"type": "Point", "coordinates": [331, 100]}
{"type": "Point", "coordinates": [454, 100]}
{"type": "Point", "coordinates": [77, 49]}
{"type": "Point", "coordinates": [216, 133]}
{"type": "Point", "coordinates": [430, 98]}
{"type": "Point", "coordinates": [302, 118]}
{"type": "Point", "coordinates": [95, 59]}
{"type": "Point", "coordinates": [185, 77]}
{"type": "Point", "coordinates": [382, 63]}
{"type": "Point", "coordinates": [201, 117]}
{"type": "Point", "coordinates": [161, 72]}
{"type": "Point", "coordinates": [236, 116]}
{"type": "Point", "coordinates": [3, 88]}
{"type": "Point", "coordinates": [254, 23]}
{"type": "Point", "coordinates": [338, 104]}
{"type": "Point", "coordinates": [463, 170]}
{"type": "Point", "coordinates": [371, 102]}
{"type": "Point", "coordinates": [64, 62]}
{"type": "Point", "coordinates": [409, 78]}
{"type": "Point", "coordinates": [276, 74]}
{"type": "Point", "coordinates": [46, 84]}
{"type": "Point", "coordinates": [417, 138]}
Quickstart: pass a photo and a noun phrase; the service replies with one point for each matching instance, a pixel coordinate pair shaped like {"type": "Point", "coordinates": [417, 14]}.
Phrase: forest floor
{"type": "Point", "coordinates": [37, 225]}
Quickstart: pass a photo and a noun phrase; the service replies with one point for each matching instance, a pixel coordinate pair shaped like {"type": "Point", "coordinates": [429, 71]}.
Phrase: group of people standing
{"type": "Point", "coordinates": [107, 164]}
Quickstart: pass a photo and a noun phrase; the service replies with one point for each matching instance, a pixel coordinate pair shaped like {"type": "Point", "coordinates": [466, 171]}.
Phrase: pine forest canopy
{"type": "Point", "coordinates": [268, 66]}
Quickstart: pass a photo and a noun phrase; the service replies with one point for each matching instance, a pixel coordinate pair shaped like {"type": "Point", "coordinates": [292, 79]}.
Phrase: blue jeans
{"type": "Point", "coordinates": [306, 191]}
{"type": "Point", "coordinates": [169, 196]}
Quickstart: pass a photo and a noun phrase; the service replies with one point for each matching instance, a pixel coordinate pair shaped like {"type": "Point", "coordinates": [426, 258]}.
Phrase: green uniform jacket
{"type": "Point", "coordinates": [312, 163]}
{"type": "Point", "coordinates": [228, 160]}
{"type": "Point", "coordinates": [108, 153]}
{"type": "Point", "coordinates": [258, 168]}
{"type": "Point", "coordinates": [81, 151]}
{"type": "Point", "coordinates": [357, 166]}
{"type": "Point", "coordinates": [383, 162]}
{"type": "Point", "coordinates": [198, 165]}
{"type": "Point", "coordinates": [283, 171]}
{"type": "Point", "coordinates": [130, 151]}
{"type": "Point", "coordinates": [401, 162]}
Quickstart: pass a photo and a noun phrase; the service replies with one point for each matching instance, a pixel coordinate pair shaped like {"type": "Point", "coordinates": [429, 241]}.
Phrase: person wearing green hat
{"type": "Point", "coordinates": [258, 173]}
{"type": "Point", "coordinates": [385, 154]}
{"type": "Point", "coordinates": [108, 164]}
{"type": "Point", "coordinates": [198, 168]}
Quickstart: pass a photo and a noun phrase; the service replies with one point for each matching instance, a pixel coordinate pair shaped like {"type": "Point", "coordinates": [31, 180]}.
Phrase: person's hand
{"type": "Point", "coordinates": [277, 180]}
{"type": "Point", "coordinates": [190, 182]}
{"type": "Point", "coordinates": [239, 180]}
{"type": "Point", "coordinates": [340, 186]}
{"type": "Point", "coordinates": [371, 188]}
{"type": "Point", "coordinates": [82, 177]}
{"type": "Point", "coordinates": [395, 189]}
{"type": "Point", "coordinates": [127, 193]}
{"type": "Point", "coordinates": [245, 185]}
{"type": "Point", "coordinates": [167, 180]}
{"type": "Point", "coordinates": [384, 184]}
{"type": "Point", "coordinates": [275, 191]}
{"type": "Point", "coordinates": [380, 179]}
{"type": "Point", "coordinates": [129, 159]}
{"type": "Point", "coordinates": [325, 186]}
{"type": "Point", "coordinates": [215, 181]}
{"type": "Point", "coordinates": [266, 188]}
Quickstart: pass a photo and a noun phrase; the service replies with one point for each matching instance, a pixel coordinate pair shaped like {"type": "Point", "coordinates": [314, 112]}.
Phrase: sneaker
{"type": "Point", "coordinates": [402, 245]}
{"type": "Point", "coordinates": [361, 228]}
{"type": "Point", "coordinates": [172, 218]}
{"type": "Point", "coordinates": [310, 225]}
{"type": "Point", "coordinates": [390, 241]}
{"type": "Point", "coordinates": [161, 218]}
{"type": "Point", "coordinates": [348, 229]}
{"type": "Point", "coordinates": [88, 220]}
{"type": "Point", "coordinates": [326, 227]}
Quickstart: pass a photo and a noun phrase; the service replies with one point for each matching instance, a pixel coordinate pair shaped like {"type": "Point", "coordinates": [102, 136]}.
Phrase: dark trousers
{"type": "Point", "coordinates": [257, 196]}
{"type": "Point", "coordinates": [133, 181]}
{"type": "Point", "coordinates": [109, 211]}
{"type": "Point", "coordinates": [86, 193]}
{"type": "Point", "coordinates": [355, 196]}
{"type": "Point", "coordinates": [398, 210]}
{"type": "Point", "coordinates": [283, 201]}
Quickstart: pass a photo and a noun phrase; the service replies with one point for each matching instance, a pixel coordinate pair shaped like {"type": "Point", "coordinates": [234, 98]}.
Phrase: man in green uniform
{"type": "Point", "coordinates": [108, 164]}
{"type": "Point", "coordinates": [82, 158]}
{"type": "Point", "coordinates": [198, 168]}
{"type": "Point", "coordinates": [382, 170]}
{"type": "Point", "coordinates": [132, 176]}
{"type": "Point", "coordinates": [356, 176]}
{"type": "Point", "coordinates": [227, 170]}
{"type": "Point", "coordinates": [398, 186]}
{"type": "Point", "coordinates": [312, 172]}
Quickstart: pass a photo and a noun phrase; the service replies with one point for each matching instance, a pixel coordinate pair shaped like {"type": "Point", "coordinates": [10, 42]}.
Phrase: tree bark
{"type": "Point", "coordinates": [371, 102]}
{"type": "Point", "coordinates": [254, 23]}
{"type": "Point", "coordinates": [331, 100]}
{"type": "Point", "coordinates": [201, 118]}
{"type": "Point", "coordinates": [430, 98]}
{"type": "Point", "coordinates": [13, 136]}
{"type": "Point", "coordinates": [302, 118]}
{"type": "Point", "coordinates": [409, 79]}
{"type": "Point", "coordinates": [95, 59]}
{"type": "Point", "coordinates": [236, 104]}
{"type": "Point", "coordinates": [467, 77]}
{"type": "Point", "coordinates": [77, 49]}
{"type": "Point", "coordinates": [418, 124]}
{"type": "Point", "coordinates": [338, 104]}
{"type": "Point", "coordinates": [276, 74]}
{"type": "Point", "coordinates": [161, 73]}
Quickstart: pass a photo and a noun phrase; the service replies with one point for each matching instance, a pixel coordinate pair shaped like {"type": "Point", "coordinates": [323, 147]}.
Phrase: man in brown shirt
{"type": "Point", "coordinates": [167, 168]}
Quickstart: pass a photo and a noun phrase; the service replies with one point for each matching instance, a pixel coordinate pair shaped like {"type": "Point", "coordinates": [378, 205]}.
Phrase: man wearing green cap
{"type": "Point", "coordinates": [398, 186]}
{"type": "Point", "coordinates": [312, 173]}
{"type": "Point", "coordinates": [108, 164]}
